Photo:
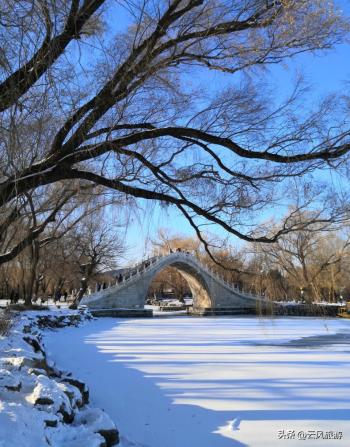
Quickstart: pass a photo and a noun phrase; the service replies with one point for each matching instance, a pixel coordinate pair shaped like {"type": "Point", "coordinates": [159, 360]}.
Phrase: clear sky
{"type": "Point", "coordinates": [326, 71]}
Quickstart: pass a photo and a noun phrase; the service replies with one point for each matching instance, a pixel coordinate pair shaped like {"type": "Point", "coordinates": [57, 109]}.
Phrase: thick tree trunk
{"type": "Point", "coordinates": [33, 273]}
{"type": "Point", "coordinates": [84, 285]}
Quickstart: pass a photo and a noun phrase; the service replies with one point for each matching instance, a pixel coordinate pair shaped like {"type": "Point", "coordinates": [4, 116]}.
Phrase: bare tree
{"type": "Point", "coordinates": [166, 241]}
{"type": "Point", "coordinates": [311, 260]}
{"type": "Point", "coordinates": [37, 243]}
{"type": "Point", "coordinates": [54, 24]}
{"type": "Point", "coordinates": [97, 247]}
{"type": "Point", "coordinates": [135, 124]}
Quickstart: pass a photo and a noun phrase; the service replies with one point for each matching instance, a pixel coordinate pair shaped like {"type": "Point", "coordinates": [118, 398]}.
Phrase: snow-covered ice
{"type": "Point", "coordinates": [214, 382]}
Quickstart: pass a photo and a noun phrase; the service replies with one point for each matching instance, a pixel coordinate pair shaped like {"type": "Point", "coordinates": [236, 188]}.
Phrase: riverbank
{"type": "Point", "coordinates": [41, 405]}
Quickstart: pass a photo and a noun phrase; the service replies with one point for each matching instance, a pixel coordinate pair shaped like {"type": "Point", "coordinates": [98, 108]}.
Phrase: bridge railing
{"type": "Point", "coordinates": [135, 273]}
{"type": "Point", "coordinates": [223, 281]}
{"type": "Point", "coordinates": [139, 269]}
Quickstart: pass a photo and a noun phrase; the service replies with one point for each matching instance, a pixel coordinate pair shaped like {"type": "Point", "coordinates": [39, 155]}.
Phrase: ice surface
{"type": "Point", "coordinates": [212, 382]}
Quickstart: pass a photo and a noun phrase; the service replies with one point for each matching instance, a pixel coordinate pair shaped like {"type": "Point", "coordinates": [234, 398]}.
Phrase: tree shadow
{"type": "Point", "coordinates": [159, 399]}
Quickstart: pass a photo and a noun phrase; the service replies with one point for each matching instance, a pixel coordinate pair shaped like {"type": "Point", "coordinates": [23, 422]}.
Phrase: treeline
{"type": "Point", "coordinates": [305, 265]}
{"type": "Point", "coordinates": [71, 253]}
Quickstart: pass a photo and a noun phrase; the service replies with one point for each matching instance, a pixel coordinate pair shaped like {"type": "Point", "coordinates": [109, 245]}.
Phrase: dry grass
{"type": "Point", "coordinates": [23, 307]}
{"type": "Point", "coordinates": [5, 322]}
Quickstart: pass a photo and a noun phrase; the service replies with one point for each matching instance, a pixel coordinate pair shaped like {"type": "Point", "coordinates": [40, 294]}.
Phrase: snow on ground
{"type": "Point", "coordinates": [161, 313]}
{"type": "Point", "coordinates": [51, 304]}
{"type": "Point", "coordinates": [215, 382]}
{"type": "Point", "coordinates": [39, 405]}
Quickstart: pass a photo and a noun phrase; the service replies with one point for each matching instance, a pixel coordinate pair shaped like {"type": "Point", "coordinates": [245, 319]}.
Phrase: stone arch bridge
{"type": "Point", "coordinates": [211, 293]}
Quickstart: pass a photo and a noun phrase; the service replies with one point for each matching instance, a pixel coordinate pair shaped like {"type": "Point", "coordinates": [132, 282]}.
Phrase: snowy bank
{"type": "Point", "coordinates": [39, 404]}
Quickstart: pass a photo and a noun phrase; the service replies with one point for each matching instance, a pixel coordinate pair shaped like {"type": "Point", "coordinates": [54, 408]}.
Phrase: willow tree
{"type": "Point", "coordinates": [132, 108]}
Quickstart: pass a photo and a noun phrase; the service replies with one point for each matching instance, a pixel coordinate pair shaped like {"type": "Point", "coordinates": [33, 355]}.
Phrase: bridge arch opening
{"type": "Point", "coordinates": [195, 282]}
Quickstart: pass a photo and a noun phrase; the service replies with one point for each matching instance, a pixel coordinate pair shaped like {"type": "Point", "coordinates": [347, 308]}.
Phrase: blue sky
{"type": "Point", "coordinates": [325, 71]}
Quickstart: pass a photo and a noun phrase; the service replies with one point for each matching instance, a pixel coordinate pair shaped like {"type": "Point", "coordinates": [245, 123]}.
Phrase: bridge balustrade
{"type": "Point", "coordinates": [141, 268]}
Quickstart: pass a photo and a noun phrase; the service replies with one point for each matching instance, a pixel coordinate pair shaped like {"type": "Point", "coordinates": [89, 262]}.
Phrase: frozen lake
{"type": "Point", "coordinates": [215, 382]}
